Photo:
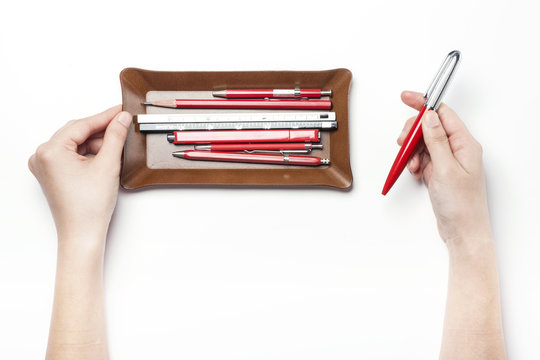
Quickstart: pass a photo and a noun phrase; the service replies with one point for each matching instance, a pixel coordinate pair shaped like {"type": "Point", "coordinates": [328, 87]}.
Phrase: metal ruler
{"type": "Point", "coordinates": [237, 121]}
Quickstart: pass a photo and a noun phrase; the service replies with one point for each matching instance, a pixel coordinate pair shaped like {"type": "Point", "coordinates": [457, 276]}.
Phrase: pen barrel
{"type": "Point", "coordinates": [310, 93]}
{"type": "Point", "coordinates": [405, 152]}
{"type": "Point", "coordinates": [304, 160]}
{"type": "Point", "coordinates": [271, 93]}
{"type": "Point", "coordinates": [261, 146]}
{"type": "Point", "coordinates": [246, 136]}
{"type": "Point", "coordinates": [253, 104]}
{"type": "Point", "coordinates": [249, 93]}
{"type": "Point", "coordinates": [252, 158]}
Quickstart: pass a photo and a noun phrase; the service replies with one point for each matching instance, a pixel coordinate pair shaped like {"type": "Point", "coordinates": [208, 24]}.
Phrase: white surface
{"type": "Point", "coordinates": [243, 274]}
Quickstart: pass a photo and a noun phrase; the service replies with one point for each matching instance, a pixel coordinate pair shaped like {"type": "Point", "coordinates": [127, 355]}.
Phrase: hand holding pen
{"type": "Point", "coordinates": [450, 162]}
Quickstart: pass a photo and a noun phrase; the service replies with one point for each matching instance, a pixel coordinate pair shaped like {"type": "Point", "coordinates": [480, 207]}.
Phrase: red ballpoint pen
{"type": "Point", "coordinates": [433, 98]}
{"type": "Point", "coordinates": [303, 147]}
{"type": "Point", "coordinates": [251, 158]}
{"type": "Point", "coordinates": [271, 93]}
{"type": "Point", "coordinates": [242, 104]}
{"type": "Point", "coordinates": [244, 136]}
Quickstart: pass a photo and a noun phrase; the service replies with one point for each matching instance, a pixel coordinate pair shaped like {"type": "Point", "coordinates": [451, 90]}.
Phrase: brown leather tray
{"type": "Point", "coordinates": [147, 159]}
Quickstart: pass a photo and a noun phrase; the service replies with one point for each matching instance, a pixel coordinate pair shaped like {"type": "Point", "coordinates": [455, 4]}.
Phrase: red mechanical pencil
{"type": "Point", "coordinates": [251, 158]}
{"type": "Point", "coordinates": [433, 97]}
{"type": "Point", "coordinates": [242, 104]}
{"type": "Point", "coordinates": [244, 136]}
{"type": "Point", "coordinates": [307, 147]}
{"type": "Point", "coordinates": [271, 93]}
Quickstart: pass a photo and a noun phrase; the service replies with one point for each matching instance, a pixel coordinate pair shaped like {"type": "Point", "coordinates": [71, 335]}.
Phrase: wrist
{"type": "Point", "coordinates": [82, 245]}
{"type": "Point", "coordinates": [470, 248]}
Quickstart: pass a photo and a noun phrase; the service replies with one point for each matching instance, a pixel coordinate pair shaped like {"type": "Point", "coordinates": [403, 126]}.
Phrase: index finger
{"type": "Point", "coordinates": [413, 99]}
{"type": "Point", "coordinates": [78, 131]}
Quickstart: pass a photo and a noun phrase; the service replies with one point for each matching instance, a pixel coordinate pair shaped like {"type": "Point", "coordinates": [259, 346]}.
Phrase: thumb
{"type": "Point", "coordinates": [114, 138]}
{"type": "Point", "coordinates": [436, 140]}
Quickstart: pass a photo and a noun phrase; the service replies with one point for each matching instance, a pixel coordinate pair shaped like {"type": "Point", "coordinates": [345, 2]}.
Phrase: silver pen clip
{"type": "Point", "coordinates": [438, 86]}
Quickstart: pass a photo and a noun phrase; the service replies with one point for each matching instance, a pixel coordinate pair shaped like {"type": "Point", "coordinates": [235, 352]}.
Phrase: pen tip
{"type": "Point", "coordinates": [179, 154]}
{"type": "Point", "coordinates": [219, 93]}
{"type": "Point", "coordinates": [147, 103]}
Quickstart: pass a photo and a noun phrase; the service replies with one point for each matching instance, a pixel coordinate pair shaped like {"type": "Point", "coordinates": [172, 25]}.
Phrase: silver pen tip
{"type": "Point", "coordinates": [147, 103]}
{"type": "Point", "coordinates": [220, 93]}
{"type": "Point", "coordinates": [178, 154]}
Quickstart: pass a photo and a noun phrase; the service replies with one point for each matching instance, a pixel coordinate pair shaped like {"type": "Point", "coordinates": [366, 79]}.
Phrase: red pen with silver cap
{"type": "Point", "coordinates": [433, 97]}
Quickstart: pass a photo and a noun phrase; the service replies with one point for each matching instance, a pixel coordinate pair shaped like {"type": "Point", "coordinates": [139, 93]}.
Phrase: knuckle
{"type": "Point", "coordinates": [31, 161]}
{"type": "Point", "coordinates": [479, 148]}
{"type": "Point", "coordinates": [44, 153]}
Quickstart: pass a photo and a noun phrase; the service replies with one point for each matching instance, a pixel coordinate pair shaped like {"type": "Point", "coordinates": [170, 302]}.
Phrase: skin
{"type": "Point", "coordinates": [450, 164]}
{"type": "Point", "coordinates": [79, 167]}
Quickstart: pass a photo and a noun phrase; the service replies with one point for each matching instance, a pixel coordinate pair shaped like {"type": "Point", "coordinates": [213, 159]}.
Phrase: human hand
{"type": "Point", "coordinates": [450, 162]}
{"type": "Point", "coordinates": [81, 188]}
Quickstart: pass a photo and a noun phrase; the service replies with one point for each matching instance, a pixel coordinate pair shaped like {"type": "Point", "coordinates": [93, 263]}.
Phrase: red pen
{"type": "Point", "coordinates": [251, 158]}
{"type": "Point", "coordinates": [304, 147]}
{"type": "Point", "coordinates": [433, 98]}
{"type": "Point", "coordinates": [244, 136]}
{"type": "Point", "coordinates": [271, 93]}
{"type": "Point", "coordinates": [242, 104]}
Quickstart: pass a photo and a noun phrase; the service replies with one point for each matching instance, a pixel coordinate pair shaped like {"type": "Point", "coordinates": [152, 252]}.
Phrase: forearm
{"type": "Point", "coordinates": [473, 325]}
{"type": "Point", "coordinates": [77, 328]}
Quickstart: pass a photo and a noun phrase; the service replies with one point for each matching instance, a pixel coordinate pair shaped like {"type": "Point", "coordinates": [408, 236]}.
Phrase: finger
{"type": "Point", "coordinates": [451, 122]}
{"type": "Point", "coordinates": [90, 146]}
{"type": "Point", "coordinates": [427, 173]}
{"type": "Point", "coordinates": [76, 132]}
{"type": "Point", "coordinates": [465, 148]}
{"type": "Point", "coordinates": [425, 160]}
{"type": "Point", "coordinates": [99, 134]}
{"type": "Point", "coordinates": [406, 128]}
{"type": "Point", "coordinates": [436, 141]}
{"type": "Point", "coordinates": [414, 163]}
{"type": "Point", "coordinates": [115, 136]}
{"type": "Point", "coordinates": [413, 99]}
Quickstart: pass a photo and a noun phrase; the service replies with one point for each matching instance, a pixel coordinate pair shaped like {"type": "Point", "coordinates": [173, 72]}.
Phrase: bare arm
{"type": "Point", "coordinates": [81, 190]}
{"type": "Point", "coordinates": [450, 163]}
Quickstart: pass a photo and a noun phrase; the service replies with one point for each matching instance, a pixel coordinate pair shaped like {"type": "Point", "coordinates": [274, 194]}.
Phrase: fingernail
{"type": "Point", "coordinates": [124, 118]}
{"type": "Point", "coordinates": [431, 119]}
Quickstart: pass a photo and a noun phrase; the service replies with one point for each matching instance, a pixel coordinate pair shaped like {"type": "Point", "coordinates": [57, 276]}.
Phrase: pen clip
{"type": "Point", "coordinates": [438, 86]}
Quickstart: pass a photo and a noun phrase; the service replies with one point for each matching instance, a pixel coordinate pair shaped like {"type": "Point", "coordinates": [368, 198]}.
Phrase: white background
{"type": "Point", "coordinates": [267, 274]}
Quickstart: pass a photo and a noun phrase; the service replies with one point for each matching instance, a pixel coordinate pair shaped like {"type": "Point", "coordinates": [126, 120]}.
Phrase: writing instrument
{"type": "Point", "coordinates": [271, 93]}
{"type": "Point", "coordinates": [283, 147]}
{"type": "Point", "coordinates": [242, 104]}
{"type": "Point", "coordinates": [251, 158]}
{"type": "Point", "coordinates": [433, 97]}
{"type": "Point", "coordinates": [244, 136]}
